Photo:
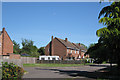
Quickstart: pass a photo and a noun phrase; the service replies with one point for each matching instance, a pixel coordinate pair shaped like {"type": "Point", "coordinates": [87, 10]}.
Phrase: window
{"type": "Point", "coordinates": [78, 52]}
{"type": "Point", "coordinates": [67, 50]}
{"type": "Point", "coordinates": [48, 58]}
{"type": "Point", "coordinates": [48, 49]}
{"type": "Point", "coordinates": [0, 45]}
{"type": "Point", "coordinates": [75, 51]}
{"type": "Point", "coordinates": [42, 58]}
{"type": "Point", "coordinates": [53, 58]}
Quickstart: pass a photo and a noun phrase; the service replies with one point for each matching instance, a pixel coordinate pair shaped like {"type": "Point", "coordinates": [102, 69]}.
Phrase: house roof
{"type": "Point", "coordinates": [0, 32]}
{"type": "Point", "coordinates": [24, 54]}
{"type": "Point", "coordinates": [67, 44]}
{"type": "Point", "coordinates": [83, 49]}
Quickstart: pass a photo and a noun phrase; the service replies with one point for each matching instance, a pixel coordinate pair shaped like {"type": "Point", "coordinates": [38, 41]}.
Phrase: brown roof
{"type": "Point", "coordinates": [0, 32]}
{"type": "Point", "coordinates": [80, 47]}
{"type": "Point", "coordinates": [67, 44]}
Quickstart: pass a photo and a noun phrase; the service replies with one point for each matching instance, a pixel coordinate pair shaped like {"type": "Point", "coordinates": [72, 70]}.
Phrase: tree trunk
{"type": "Point", "coordinates": [118, 61]}
{"type": "Point", "coordinates": [110, 64]}
{"type": "Point", "coordinates": [118, 64]}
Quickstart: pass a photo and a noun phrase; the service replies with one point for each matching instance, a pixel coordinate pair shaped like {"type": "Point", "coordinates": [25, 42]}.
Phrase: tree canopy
{"type": "Point", "coordinates": [16, 47]}
{"type": "Point", "coordinates": [107, 48]}
{"type": "Point", "coordinates": [28, 47]}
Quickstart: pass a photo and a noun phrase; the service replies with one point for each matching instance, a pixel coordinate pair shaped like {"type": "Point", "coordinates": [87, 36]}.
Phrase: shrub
{"type": "Point", "coordinates": [11, 71]}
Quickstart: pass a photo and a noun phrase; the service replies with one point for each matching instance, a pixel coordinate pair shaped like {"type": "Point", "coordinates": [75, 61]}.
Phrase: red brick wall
{"type": "Point", "coordinates": [73, 53]}
{"type": "Point", "coordinates": [7, 43]}
{"type": "Point", "coordinates": [46, 50]}
{"type": "Point", "coordinates": [0, 44]}
{"type": "Point", "coordinates": [59, 49]}
{"type": "Point", "coordinates": [82, 54]}
{"type": "Point", "coordinates": [14, 56]}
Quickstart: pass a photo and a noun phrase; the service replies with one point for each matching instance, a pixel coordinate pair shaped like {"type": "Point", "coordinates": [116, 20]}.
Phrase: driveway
{"type": "Point", "coordinates": [87, 72]}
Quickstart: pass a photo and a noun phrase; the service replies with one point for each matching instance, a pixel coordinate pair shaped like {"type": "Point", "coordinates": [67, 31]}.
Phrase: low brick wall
{"type": "Point", "coordinates": [14, 56]}
{"type": "Point", "coordinates": [61, 61]}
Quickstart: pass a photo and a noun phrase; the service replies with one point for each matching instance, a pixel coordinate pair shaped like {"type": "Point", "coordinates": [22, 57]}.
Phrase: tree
{"type": "Point", "coordinates": [109, 36]}
{"type": "Point", "coordinates": [92, 44]}
{"type": "Point", "coordinates": [83, 45]}
{"type": "Point", "coordinates": [29, 48]}
{"type": "Point", "coordinates": [16, 47]}
{"type": "Point", "coordinates": [41, 50]}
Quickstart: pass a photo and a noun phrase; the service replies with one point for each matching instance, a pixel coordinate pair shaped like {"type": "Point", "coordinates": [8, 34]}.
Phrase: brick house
{"type": "Point", "coordinates": [6, 46]}
{"type": "Point", "coordinates": [64, 49]}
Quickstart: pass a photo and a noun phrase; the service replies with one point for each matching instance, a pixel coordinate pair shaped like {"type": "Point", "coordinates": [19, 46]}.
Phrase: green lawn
{"type": "Point", "coordinates": [54, 65]}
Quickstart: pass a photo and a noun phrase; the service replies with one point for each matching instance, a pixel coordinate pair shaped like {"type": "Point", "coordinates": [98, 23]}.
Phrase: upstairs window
{"type": "Point", "coordinates": [67, 50]}
{"type": "Point", "coordinates": [78, 52]}
{"type": "Point", "coordinates": [75, 51]}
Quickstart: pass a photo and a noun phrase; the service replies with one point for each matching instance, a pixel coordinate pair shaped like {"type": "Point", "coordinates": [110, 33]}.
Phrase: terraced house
{"type": "Point", "coordinates": [65, 49]}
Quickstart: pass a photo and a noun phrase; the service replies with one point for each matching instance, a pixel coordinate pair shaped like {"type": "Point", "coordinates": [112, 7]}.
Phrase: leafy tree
{"type": "Point", "coordinates": [16, 47]}
{"type": "Point", "coordinates": [110, 35]}
{"type": "Point", "coordinates": [83, 45]}
{"type": "Point", "coordinates": [92, 44]}
{"type": "Point", "coordinates": [29, 48]}
{"type": "Point", "coordinates": [41, 50]}
{"type": "Point", "coordinates": [109, 41]}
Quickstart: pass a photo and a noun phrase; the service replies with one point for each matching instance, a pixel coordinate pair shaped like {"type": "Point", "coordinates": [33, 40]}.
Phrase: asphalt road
{"type": "Point", "coordinates": [86, 72]}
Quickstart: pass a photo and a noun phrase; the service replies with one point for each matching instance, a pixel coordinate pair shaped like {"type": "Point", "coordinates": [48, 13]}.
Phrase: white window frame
{"type": "Point", "coordinates": [48, 49]}
{"type": "Point", "coordinates": [71, 51]}
{"type": "Point", "coordinates": [67, 50]}
{"type": "Point", "coordinates": [78, 52]}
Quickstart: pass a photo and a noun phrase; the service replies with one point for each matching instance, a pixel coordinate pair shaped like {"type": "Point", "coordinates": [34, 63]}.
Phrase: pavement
{"type": "Point", "coordinates": [83, 71]}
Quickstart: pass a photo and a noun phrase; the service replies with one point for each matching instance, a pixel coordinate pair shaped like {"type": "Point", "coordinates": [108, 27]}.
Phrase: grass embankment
{"type": "Point", "coordinates": [54, 65]}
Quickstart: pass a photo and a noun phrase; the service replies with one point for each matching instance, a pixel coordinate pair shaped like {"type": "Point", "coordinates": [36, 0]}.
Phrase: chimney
{"type": "Point", "coordinates": [52, 38]}
{"type": "Point", "coordinates": [66, 39]}
{"type": "Point", "coordinates": [79, 44]}
{"type": "Point", "coordinates": [3, 29]}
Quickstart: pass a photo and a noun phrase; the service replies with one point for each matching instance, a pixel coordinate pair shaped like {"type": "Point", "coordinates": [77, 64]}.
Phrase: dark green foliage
{"type": "Point", "coordinates": [41, 50]}
{"type": "Point", "coordinates": [16, 47]}
{"type": "Point", "coordinates": [107, 48]}
{"type": "Point", "coordinates": [29, 48]}
{"type": "Point", "coordinates": [11, 71]}
{"type": "Point", "coordinates": [83, 45]}
{"type": "Point", "coordinates": [91, 45]}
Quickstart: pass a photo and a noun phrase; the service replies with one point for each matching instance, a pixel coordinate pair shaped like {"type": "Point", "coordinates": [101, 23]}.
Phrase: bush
{"type": "Point", "coordinates": [11, 71]}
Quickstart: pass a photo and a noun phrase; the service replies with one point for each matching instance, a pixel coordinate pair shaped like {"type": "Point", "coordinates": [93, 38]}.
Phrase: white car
{"type": "Point", "coordinates": [48, 57]}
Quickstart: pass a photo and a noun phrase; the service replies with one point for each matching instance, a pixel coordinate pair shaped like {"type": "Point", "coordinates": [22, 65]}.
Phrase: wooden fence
{"type": "Point", "coordinates": [26, 60]}
{"type": "Point", "coordinates": [19, 62]}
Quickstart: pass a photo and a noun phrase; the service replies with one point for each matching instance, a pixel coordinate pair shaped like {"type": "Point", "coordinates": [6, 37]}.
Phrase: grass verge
{"type": "Point", "coordinates": [54, 65]}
